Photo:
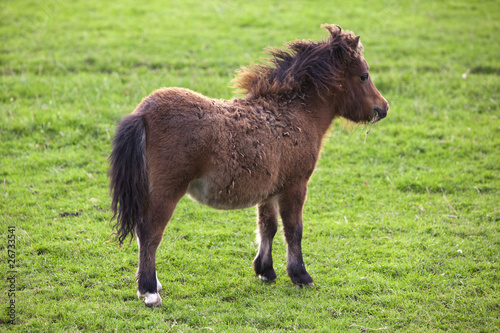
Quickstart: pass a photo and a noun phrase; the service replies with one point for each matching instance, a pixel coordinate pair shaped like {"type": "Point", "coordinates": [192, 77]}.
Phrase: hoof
{"type": "Point", "coordinates": [268, 275]}
{"type": "Point", "coordinates": [265, 279]}
{"type": "Point", "coordinates": [150, 299]}
{"type": "Point", "coordinates": [301, 278]}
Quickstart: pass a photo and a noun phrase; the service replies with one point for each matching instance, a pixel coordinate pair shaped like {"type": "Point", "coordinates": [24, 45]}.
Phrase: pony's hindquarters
{"type": "Point", "coordinates": [149, 172]}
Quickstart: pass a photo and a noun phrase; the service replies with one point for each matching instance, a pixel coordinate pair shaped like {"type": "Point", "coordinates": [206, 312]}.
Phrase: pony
{"type": "Point", "coordinates": [257, 150]}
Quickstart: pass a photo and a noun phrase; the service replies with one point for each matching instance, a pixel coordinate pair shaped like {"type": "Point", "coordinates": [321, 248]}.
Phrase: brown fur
{"type": "Point", "coordinates": [257, 150]}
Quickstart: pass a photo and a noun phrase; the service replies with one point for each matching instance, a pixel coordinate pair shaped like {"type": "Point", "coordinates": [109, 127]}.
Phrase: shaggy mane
{"type": "Point", "coordinates": [303, 67]}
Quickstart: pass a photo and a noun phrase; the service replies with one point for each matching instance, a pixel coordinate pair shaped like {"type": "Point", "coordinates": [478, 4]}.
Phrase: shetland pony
{"type": "Point", "coordinates": [259, 150]}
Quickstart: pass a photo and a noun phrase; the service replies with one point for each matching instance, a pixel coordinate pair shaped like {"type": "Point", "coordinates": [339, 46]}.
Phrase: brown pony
{"type": "Point", "coordinates": [257, 150]}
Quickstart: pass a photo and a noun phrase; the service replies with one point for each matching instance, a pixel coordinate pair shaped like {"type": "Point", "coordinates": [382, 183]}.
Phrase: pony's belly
{"type": "Point", "coordinates": [211, 194]}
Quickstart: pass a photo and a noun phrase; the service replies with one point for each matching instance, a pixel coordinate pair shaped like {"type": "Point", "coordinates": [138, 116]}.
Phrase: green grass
{"type": "Point", "coordinates": [386, 213]}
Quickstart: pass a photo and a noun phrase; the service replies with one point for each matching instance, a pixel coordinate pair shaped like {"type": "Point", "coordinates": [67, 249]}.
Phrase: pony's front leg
{"type": "Point", "coordinates": [266, 229]}
{"type": "Point", "coordinates": [149, 234]}
{"type": "Point", "coordinates": [291, 203]}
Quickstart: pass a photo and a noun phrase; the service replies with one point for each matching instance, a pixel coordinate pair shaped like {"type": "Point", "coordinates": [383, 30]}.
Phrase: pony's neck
{"type": "Point", "coordinates": [320, 112]}
{"type": "Point", "coordinates": [323, 111]}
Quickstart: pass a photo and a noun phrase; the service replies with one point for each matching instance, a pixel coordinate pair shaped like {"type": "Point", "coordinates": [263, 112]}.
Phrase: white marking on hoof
{"type": "Point", "coordinates": [150, 299]}
{"type": "Point", "coordinates": [263, 278]}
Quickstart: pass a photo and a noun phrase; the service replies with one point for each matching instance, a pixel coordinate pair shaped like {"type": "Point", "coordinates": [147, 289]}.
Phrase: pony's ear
{"type": "Point", "coordinates": [333, 29]}
{"type": "Point", "coordinates": [355, 42]}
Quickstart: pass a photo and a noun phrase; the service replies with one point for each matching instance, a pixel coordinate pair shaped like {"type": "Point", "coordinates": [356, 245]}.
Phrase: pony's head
{"type": "Point", "coordinates": [333, 71]}
{"type": "Point", "coordinates": [353, 94]}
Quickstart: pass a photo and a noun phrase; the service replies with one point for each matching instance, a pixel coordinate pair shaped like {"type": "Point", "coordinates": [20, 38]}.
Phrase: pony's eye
{"type": "Point", "coordinates": [364, 77]}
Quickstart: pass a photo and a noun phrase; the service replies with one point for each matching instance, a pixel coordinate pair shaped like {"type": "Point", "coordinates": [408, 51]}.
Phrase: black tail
{"type": "Point", "coordinates": [129, 184]}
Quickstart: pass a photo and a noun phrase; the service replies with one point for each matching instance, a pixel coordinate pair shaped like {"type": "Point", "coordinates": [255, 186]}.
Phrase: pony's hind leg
{"type": "Point", "coordinates": [266, 229]}
{"type": "Point", "coordinates": [149, 234]}
{"type": "Point", "coordinates": [291, 203]}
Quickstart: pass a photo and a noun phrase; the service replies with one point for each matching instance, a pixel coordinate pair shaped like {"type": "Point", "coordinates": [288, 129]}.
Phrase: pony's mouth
{"type": "Point", "coordinates": [377, 115]}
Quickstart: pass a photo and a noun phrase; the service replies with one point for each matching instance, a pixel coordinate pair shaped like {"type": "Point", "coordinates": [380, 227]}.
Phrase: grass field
{"type": "Point", "coordinates": [401, 227]}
